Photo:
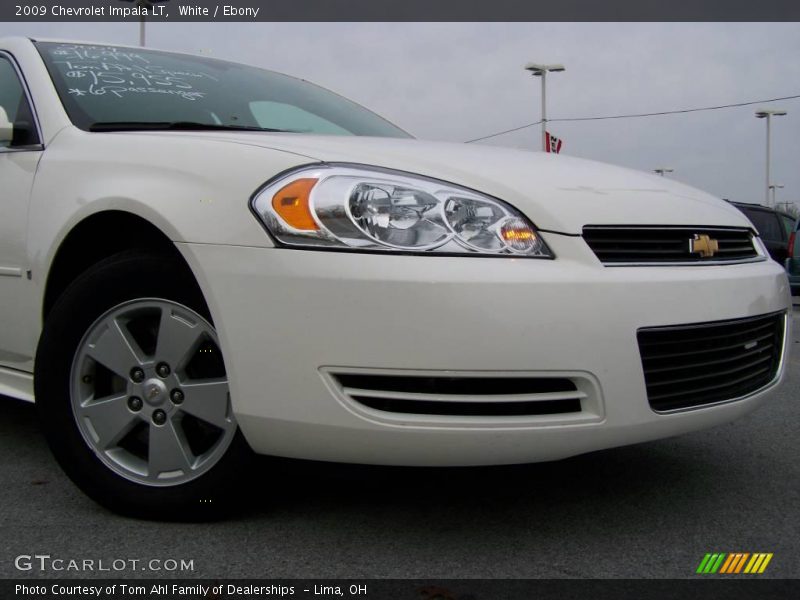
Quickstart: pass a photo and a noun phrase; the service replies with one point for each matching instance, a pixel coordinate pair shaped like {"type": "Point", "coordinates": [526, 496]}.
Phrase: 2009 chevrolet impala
{"type": "Point", "coordinates": [201, 260]}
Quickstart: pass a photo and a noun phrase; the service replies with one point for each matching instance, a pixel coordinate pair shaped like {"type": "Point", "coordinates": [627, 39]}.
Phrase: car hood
{"type": "Point", "coordinates": [556, 192]}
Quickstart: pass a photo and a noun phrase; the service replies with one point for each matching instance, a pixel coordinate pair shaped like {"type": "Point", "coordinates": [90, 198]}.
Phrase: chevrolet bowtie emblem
{"type": "Point", "coordinates": [703, 245]}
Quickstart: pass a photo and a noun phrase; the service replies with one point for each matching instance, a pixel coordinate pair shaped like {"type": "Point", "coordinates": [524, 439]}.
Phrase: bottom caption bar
{"type": "Point", "coordinates": [400, 589]}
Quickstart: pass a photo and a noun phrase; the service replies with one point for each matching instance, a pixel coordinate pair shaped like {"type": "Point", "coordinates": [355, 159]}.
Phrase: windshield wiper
{"type": "Point", "coordinates": [174, 125]}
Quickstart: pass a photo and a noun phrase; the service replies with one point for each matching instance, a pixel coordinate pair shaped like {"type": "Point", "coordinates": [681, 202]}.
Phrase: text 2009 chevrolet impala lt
{"type": "Point", "coordinates": [200, 260]}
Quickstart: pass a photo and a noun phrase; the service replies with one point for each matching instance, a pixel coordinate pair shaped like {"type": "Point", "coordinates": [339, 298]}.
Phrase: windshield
{"type": "Point", "coordinates": [130, 87]}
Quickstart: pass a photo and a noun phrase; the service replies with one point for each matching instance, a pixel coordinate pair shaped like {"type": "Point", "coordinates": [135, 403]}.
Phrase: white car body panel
{"type": "Point", "coordinates": [558, 193]}
{"type": "Point", "coordinates": [295, 313]}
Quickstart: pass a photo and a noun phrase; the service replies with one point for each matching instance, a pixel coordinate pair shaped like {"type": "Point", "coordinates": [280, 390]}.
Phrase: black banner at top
{"type": "Point", "coordinates": [399, 10]}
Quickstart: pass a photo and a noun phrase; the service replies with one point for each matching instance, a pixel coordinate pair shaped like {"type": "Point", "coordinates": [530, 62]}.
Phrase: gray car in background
{"type": "Point", "coordinates": [773, 226]}
{"type": "Point", "coordinates": [793, 259]}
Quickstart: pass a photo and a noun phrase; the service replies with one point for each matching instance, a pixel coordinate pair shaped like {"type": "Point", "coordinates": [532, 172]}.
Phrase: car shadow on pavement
{"type": "Point", "coordinates": [620, 472]}
{"type": "Point", "coordinates": [639, 477]}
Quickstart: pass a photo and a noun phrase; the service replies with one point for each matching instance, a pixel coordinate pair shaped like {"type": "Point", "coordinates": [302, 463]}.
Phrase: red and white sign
{"type": "Point", "coordinates": [552, 143]}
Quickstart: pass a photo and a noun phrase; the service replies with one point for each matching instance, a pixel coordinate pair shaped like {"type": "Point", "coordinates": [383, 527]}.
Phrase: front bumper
{"type": "Point", "coordinates": [287, 318]}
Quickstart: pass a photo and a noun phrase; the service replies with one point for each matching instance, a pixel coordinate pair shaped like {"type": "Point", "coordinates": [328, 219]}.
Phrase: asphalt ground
{"type": "Point", "coordinates": [651, 510]}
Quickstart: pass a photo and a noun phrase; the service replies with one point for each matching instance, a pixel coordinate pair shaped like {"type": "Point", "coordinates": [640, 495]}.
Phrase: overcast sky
{"type": "Point", "coordinates": [457, 81]}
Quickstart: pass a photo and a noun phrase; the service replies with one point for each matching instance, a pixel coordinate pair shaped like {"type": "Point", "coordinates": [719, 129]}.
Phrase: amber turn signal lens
{"type": "Point", "coordinates": [291, 203]}
{"type": "Point", "coordinates": [518, 235]}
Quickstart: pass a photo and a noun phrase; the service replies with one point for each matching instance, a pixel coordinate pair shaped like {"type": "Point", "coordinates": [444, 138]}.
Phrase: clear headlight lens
{"type": "Point", "coordinates": [353, 207]}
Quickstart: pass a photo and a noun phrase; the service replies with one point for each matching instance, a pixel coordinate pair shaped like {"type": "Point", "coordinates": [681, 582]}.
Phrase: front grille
{"type": "Point", "coordinates": [634, 244]}
{"type": "Point", "coordinates": [693, 365]}
{"type": "Point", "coordinates": [472, 396]}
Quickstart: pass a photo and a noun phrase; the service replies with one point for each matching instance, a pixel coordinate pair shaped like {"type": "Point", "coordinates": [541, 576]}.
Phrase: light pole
{"type": "Point", "coordinates": [145, 4]}
{"type": "Point", "coordinates": [538, 70]}
{"type": "Point", "coordinates": [773, 187]}
{"type": "Point", "coordinates": [767, 114]}
{"type": "Point", "coordinates": [662, 170]}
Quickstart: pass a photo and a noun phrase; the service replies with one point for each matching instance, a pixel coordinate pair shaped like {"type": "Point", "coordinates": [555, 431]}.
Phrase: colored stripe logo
{"type": "Point", "coordinates": [734, 563]}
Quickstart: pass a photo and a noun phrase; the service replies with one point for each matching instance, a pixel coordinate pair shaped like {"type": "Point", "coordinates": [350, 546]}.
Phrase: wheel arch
{"type": "Point", "coordinates": [96, 237]}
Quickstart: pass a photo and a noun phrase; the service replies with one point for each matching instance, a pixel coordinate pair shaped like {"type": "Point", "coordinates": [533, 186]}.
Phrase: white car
{"type": "Point", "coordinates": [201, 260]}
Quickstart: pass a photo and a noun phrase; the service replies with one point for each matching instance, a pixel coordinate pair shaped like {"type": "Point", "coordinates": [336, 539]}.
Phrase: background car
{"type": "Point", "coordinates": [793, 260]}
{"type": "Point", "coordinates": [773, 226]}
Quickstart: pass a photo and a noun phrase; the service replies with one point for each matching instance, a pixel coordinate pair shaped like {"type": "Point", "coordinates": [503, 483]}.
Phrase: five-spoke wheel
{"type": "Point", "coordinates": [150, 394]}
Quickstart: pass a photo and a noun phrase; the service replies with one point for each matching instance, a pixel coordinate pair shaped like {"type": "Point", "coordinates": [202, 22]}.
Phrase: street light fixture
{"type": "Point", "coordinates": [662, 170]}
{"type": "Point", "coordinates": [538, 70]}
{"type": "Point", "coordinates": [148, 4]}
{"type": "Point", "coordinates": [766, 113]}
{"type": "Point", "coordinates": [773, 187]}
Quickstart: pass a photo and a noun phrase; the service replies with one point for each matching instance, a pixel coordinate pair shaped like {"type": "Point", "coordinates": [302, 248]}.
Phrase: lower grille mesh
{"type": "Point", "coordinates": [692, 365]}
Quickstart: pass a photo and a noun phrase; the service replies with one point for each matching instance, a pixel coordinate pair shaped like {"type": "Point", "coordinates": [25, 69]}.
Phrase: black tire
{"type": "Point", "coordinates": [123, 278]}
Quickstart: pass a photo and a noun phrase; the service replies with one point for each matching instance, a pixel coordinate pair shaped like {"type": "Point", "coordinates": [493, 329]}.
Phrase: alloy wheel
{"type": "Point", "coordinates": [149, 392]}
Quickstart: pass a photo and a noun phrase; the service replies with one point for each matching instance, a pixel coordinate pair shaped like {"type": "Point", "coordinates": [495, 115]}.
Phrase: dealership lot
{"type": "Point", "coordinates": [651, 510]}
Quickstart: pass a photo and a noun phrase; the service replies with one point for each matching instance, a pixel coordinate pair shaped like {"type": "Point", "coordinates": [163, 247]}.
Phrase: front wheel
{"type": "Point", "coordinates": [133, 394]}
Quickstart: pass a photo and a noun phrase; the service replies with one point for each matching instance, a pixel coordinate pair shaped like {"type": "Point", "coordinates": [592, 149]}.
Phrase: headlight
{"type": "Point", "coordinates": [367, 208]}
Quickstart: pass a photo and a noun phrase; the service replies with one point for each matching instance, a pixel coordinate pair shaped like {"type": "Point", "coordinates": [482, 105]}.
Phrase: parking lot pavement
{"type": "Point", "coordinates": [651, 510]}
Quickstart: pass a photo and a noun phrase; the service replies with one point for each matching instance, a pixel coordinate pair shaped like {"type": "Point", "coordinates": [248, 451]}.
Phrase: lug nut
{"type": "Point", "coordinates": [159, 417]}
{"type": "Point", "coordinates": [135, 403]}
{"type": "Point", "coordinates": [162, 369]}
{"type": "Point", "coordinates": [137, 375]}
{"type": "Point", "coordinates": [176, 396]}
{"type": "Point", "coordinates": [87, 379]}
